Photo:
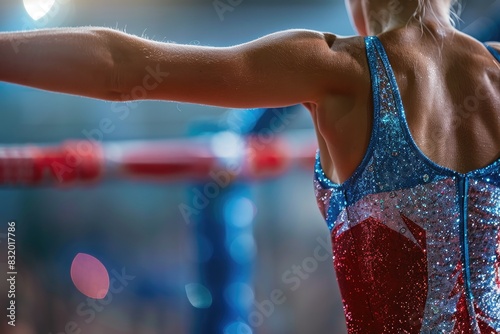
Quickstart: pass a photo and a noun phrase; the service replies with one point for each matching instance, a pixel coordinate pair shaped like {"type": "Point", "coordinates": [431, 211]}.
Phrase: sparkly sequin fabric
{"type": "Point", "coordinates": [416, 246]}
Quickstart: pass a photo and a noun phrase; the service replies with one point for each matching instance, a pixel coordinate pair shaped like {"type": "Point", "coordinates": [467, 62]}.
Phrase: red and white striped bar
{"type": "Point", "coordinates": [80, 162]}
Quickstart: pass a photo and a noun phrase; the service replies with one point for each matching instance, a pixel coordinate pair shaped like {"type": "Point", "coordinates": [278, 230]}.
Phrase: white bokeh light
{"type": "Point", "coordinates": [227, 145]}
{"type": "Point", "coordinates": [38, 8]}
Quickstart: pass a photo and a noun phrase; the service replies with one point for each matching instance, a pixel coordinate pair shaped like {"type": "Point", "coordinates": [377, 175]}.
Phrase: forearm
{"type": "Point", "coordinates": [74, 60]}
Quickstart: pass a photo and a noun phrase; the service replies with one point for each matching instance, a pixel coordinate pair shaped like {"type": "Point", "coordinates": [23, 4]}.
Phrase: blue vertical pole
{"type": "Point", "coordinates": [224, 236]}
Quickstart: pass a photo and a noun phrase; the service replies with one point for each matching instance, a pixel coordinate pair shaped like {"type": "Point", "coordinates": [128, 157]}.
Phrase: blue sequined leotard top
{"type": "Point", "coordinates": [416, 246]}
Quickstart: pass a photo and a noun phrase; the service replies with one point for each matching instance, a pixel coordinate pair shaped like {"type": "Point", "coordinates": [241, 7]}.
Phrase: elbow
{"type": "Point", "coordinates": [122, 56]}
{"type": "Point", "coordinates": [110, 56]}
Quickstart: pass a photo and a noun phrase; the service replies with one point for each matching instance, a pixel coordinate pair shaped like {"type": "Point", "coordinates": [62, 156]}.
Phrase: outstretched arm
{"type": "Point", "coordinates": [280, 69]}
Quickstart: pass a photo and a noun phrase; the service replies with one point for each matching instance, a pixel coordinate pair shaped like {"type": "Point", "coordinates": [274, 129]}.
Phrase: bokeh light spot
{"type": "Point", "coordinates": [90, 276]}
{"type": "Point", "coordinates": [240, 211]}
{"type": "Point", "coordinates": [243, 249]}
{"type": "Point", "coordinates": [227, 145]}
{"type": "Point", "coordinates": [239, 295]}
{"type": "Point", "coordinates": [238, 328]}
{"type": "Point", "coordinates": [198, 295]}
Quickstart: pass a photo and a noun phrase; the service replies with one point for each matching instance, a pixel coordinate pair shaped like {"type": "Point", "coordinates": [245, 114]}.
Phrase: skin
{"type": "Point", "coordinates": [438, 70]}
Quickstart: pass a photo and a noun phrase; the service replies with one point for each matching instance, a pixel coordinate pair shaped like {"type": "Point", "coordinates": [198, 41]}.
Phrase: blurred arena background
{"type": "Point", "coordinates": [135, 226]}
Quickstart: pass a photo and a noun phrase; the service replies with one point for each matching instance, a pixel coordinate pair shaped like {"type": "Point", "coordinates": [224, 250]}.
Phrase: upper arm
{"type": "Point", "coordinates": [280, 69]}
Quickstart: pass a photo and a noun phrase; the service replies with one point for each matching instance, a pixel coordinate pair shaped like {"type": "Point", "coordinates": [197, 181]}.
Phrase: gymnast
{"type": "Point", "coordinates": [407, 116]}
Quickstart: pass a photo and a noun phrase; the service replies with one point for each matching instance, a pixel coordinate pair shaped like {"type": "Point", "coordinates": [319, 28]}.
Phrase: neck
{"type": "Point", "coordinates": [383, 16]}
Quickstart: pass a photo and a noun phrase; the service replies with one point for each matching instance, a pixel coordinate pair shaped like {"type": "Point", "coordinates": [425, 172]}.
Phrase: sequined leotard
{"type": "Point", "coordinates": [416, 246]}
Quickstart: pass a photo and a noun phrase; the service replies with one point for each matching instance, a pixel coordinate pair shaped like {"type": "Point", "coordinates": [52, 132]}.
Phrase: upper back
{"type": "Point", "coordinates": [451, 95]}
{"type": "Point", "coordinates": [450, 90]}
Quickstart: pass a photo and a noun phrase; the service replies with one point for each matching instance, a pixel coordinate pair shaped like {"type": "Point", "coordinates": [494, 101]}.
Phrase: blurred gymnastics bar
{"type": "Point", "coordinates": [224, 155]}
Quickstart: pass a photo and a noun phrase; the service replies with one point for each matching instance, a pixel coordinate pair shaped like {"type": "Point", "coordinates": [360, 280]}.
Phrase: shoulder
{"type": "Point", "coordinates": [338, 60]}
{"type": "Point", "coordinates": [469, 45]}
{"type": "Point", "coordinates": [352, 48]}
{"type": "Point", "coordinates": [335, 45]}
{"type": "Point", "coordinates": [301, 35]}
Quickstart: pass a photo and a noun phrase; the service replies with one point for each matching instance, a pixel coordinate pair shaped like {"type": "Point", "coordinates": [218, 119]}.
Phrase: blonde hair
{"type": "Point", "coordinates": [455, 10]}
